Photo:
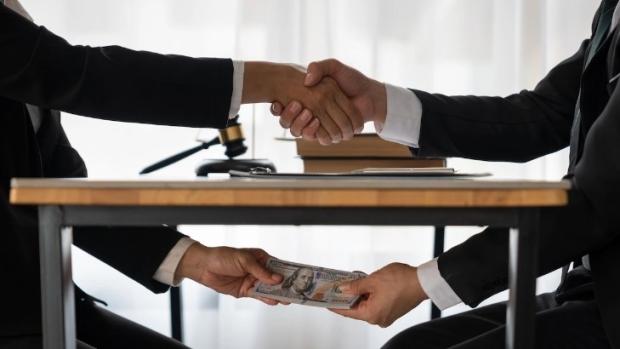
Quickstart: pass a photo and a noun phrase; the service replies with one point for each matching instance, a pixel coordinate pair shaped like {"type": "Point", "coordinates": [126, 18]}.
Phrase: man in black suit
{"type": "Point", "coordinates": [41, 73]}
{"type": "Point", "coordinates": [578, 105]}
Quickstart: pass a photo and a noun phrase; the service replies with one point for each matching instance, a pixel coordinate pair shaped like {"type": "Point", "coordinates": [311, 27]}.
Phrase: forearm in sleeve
{"type": "Point", "coordinates": [113, 83]}
{"type": "Point", "coordinates": [478, 268]}
{"type": "Point", "coordinates": [516, 128]}
{"type": "Point", "coordinates": [137, 252]}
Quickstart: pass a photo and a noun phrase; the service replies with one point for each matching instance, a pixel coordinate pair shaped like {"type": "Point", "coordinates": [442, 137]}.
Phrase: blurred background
{"type": "Point", "coordinates": [489, 47]}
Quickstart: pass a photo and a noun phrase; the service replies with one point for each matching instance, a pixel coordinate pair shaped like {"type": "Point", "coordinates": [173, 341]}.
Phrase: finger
{"type": "Point", "coordinates": [317, 70]}
{"type": "Point", "coordinates": [267, 300]}
{"type": "Point", "coordinates": [357, 287]}
{"type": "Point", "coordinates": [290, 113]}
{"type": "Point", "coordinates": [301, 122]}
{"type": "Point", "coordinates": [341, 119]}
{"type": "Point", "coordinates": [260, 254]}
{"type": "Point", "coordinates": [329, 124]}
{"type": "Point", "coordinates": [276, 108]}
{"type": "Point", "coordinates": [309, 132]}
{"type": "Point", "coordinates": [323, 136]}
{"type": "Point", "coordinates": [354, 115]}
{"type": "Point", "coordinates": [260, 272]}
{"type": "Point", "coordinates": [354, 313]}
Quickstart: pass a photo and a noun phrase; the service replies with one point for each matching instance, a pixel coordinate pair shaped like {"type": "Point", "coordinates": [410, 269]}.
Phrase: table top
{"type": "Point", "coordinates": [333, 192]}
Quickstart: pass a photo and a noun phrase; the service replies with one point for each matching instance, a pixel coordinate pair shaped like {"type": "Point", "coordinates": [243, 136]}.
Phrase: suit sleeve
{"type": "Point", "coordinates": [112, 82]}
{"type": "Point", "coordinates": [478, 268]}
{"type": "Point", "coordinates": [134, 251]}
{"type": "Point", "coordinates": [516, 128]}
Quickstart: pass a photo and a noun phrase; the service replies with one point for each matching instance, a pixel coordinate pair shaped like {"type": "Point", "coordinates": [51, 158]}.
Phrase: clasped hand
{"type": "Point", "coordinates": [322, 105]}
{"type": "Point", "coordinates": [367, 96]}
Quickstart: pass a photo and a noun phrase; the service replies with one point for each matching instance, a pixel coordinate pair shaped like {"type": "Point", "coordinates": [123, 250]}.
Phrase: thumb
{"type": "Point", "coordinates": [257, 270]}
{"type": "Point", "coordinates": [356, 287]}
{"type": "Point", "coordinates": [318, 70]}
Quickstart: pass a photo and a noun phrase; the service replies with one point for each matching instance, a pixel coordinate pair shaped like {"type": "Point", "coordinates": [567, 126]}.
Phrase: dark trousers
{"type": "Point", "coordinates": [567, 318]}
{"type": "Point", "coordinates": [98, 327]}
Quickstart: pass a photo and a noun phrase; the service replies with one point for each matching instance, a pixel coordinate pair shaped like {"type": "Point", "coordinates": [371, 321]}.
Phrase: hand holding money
{"type": "Point", "coordinates": [230, 271]}
{"type": "Point", "coordinates": [308, 285]}
{"type": "Point", "coordinates": [388, 294]}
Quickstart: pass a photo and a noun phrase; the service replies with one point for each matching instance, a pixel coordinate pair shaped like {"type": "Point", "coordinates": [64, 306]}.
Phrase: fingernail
{"type": "Point", "coordinates": [295, 107]}
{"type": "Point", "coordinates": [275, 108]}
{"type": "Point", "coordinates": [309, 78]}
{"type": "Point", "coordinates": [305, 116]}
{"type": "Point", "coordinates": [315, 123]}
{"type": "Point", "coordinates": [276, 277]}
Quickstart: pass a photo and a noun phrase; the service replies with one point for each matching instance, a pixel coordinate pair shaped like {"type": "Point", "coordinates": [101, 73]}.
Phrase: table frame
{"type": "Point", "coordinates": [55, 240]}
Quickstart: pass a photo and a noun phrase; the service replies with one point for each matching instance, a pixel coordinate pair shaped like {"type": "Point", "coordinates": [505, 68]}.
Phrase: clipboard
{"type": "Point", "coordinates": [429, 172]}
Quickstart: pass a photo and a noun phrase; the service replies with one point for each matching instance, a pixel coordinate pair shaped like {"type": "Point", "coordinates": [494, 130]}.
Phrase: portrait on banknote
{"type": "Point", "coordinates": [308, 285]}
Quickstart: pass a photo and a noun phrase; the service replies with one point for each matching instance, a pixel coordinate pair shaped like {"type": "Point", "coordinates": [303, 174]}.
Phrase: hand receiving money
{"type": "Point", "coordinates": [308, 285]}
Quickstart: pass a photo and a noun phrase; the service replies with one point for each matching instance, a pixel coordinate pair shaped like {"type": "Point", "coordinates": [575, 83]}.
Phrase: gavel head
{"type": "Point", "coordinates": [232, 138]}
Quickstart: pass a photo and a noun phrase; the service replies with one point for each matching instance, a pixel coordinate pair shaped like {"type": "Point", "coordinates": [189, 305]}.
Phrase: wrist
{"type": "Point", "coordinates": [265, 82]}
{"type": "Point", "coordinates": [190, 265]}
{"type": "Point", "coordinates": [379, 100]}
{"type": "Point", "coordinates": [416, 286]}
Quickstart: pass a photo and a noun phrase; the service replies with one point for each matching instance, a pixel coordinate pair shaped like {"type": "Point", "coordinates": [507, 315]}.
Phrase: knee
{"type": "Point", "coordinates": [414, 337]}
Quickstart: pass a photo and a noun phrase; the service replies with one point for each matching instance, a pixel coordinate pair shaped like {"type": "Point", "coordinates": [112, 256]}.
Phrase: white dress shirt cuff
{"type": "Point", "coordinates": [167, 269]}
{"type": "Point", "coordinates": [235, 101]}
{"type": "Point", "coordinates": [403, 119]}
{"type": "Point", "coordinates": [436, 287]}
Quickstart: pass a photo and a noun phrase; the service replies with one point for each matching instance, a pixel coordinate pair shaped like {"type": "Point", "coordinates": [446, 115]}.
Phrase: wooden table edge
{"type": "Point", "coordinates": [290, 197]}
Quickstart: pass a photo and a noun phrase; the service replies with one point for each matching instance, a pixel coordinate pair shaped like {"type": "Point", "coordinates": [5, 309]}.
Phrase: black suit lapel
{"type": "Point", "coordinates": [613, 62]}
{"type": "Point", "coordinates": [594, 84]}
{"type": "Point", "coordinates": [19, 152]}
{"type": "Point", "coordinates": [593, 94]}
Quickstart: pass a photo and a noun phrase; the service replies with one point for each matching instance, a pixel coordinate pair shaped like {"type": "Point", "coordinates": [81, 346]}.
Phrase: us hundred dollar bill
{"type": "Point", "coordinates": [308, 285]}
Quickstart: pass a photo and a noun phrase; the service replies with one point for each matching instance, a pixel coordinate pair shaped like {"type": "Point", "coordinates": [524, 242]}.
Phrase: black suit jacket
{"type": "Point", "coordinates": [114, 83]}
{"type": "Point", "coordinates": [525, 126]}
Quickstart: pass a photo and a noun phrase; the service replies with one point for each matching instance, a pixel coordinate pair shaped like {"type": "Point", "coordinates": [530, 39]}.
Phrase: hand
{"type": "Point", "coordinates": [270, 82]}
{"type": "Point", "coordinates": [227, 270]}
{"type": "Point", "coordinates": [367, 95]}
{"type": "Point", "coordinates": [387, 294]}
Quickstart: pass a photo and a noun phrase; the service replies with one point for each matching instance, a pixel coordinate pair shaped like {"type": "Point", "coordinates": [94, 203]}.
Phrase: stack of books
{"type": "Point", "coordinates": [363, 151]}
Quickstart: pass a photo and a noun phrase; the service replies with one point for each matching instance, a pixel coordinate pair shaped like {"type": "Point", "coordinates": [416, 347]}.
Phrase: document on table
{"type": "Point", "coordinates": [366, 172]}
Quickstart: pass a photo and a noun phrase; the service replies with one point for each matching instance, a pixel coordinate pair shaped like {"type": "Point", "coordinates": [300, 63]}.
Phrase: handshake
{"type": "Point", "coordinates": [330, 102]}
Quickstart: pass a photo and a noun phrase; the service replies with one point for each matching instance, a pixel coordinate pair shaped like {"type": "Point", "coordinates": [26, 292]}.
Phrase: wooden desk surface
{"type": "Point", "coordinates": [292, 193]}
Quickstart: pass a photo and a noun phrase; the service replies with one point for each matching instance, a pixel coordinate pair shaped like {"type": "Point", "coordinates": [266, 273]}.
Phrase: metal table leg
{"type": "Point", "coordinates": [176, 313]}
{"type": "Point", "coordinates": [523, 263]}
{"type": "Point", "coordinates": [438, 247]}
{"type": "Point", "coordinates": [57, 294]}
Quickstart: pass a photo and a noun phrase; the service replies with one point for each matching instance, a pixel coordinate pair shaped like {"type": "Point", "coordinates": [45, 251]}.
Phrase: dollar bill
{"type": "Point", "coordinates": [308, 285]}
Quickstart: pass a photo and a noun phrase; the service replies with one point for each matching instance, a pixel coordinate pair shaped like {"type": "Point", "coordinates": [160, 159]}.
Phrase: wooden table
{"type": "Point", "coordinates": [64, 203]}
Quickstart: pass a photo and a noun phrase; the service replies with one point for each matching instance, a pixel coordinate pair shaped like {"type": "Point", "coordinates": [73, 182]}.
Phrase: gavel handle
{"type": "Point", "coordinates": [178, 157]}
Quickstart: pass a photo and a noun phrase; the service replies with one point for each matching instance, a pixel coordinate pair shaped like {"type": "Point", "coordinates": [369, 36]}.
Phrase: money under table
{"type": "Point", "coordinates": [64, 203]}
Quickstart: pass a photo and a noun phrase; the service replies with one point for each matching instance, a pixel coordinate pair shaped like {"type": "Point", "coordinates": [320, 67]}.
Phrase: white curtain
{"type": "Point", "coordinates": [491, 47]}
